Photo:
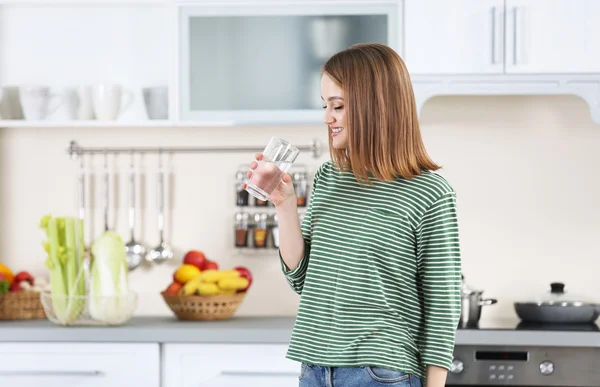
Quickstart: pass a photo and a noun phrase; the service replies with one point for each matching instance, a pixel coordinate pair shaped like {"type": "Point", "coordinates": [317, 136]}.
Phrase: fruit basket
{"type": "Point", "coordinates": [21, 305]}
{"type": "Point", "coordinates": [204, 308]}
{"type": "Point", "coordinates": [88, 310]}
{"type": "Point", "coordinates": [202, 291]}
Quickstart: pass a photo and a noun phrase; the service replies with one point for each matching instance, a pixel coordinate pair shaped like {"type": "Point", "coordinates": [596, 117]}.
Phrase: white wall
{"type": "Point", "coordinates": [524, 168]}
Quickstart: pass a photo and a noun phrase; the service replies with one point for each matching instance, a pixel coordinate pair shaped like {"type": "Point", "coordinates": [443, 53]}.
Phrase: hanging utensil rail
{"type": "Point", "coordinates": [75, 149]}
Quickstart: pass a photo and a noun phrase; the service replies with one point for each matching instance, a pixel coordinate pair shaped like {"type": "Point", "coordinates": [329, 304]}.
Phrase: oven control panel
{"type": "Point", "coordinates": [523, 366]}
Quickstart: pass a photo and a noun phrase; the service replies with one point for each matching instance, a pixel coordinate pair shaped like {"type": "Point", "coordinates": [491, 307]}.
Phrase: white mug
{"type": "Point", "coordinates": [110, 100]}
{"type": "Point", "coordinates": [35, 102]}
{"type": "Point", "coordinates": [156, 100]}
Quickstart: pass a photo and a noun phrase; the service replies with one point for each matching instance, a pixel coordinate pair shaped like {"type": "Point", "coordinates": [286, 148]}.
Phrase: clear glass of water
{"type": "Point", "coordinates": [278, 157]}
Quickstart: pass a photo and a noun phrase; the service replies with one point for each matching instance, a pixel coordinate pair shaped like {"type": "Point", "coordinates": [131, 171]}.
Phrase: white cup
{"type": "Point", "coordinates": [110, 100]}
{"type": "Point", "coordinates": [156, 100]}
{"type": "Point", "coordinates": [35, 102]}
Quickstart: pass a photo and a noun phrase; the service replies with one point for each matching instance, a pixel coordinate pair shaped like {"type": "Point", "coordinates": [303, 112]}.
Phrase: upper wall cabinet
{"type": "Point", "coordinates": [504, 47]}
{"type": "Point", "coordinates": [454, 37]}
{"type": "Point", "coordinates": [260, 63]}
{"type": "Point", "coordinates": [497, 36]}
{"type": "Point", "coordinates": [559, 36]}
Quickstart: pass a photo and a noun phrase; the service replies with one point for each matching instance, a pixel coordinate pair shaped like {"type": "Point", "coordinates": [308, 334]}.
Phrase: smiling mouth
{"type": "Point", "coordinates": [336, 130]}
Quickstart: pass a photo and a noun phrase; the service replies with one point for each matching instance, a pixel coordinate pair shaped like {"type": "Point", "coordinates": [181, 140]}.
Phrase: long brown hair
{"type": "Point", "coordinates": [384, 137]}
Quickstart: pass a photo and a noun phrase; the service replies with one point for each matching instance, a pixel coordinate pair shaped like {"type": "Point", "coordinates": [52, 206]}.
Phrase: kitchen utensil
{"type": "Point", "coordinates": [105, 191]}
{"type": "Point", "coordinates": [556, 307]}
{"type": "Point", "coordinates": [471, 303]}
{"type": "Point", "coordinates": [163, 252]}
{"type": "Point", "coordinates": [134, 249]}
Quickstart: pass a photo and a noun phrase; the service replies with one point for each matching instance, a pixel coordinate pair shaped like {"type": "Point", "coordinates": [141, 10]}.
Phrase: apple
{"type": "Point", "coordinates": [211, 265]}
{"type": "Point", "coordinates": [244, 273]}
{"type": "Point", "coordinates": [173, 288]}
{"type": "Point", "coordinates": [24, 276]}
{"type": "Point", "coordinates": [196, 258]}
{"type": "Point", "coordinates": [16, 287]}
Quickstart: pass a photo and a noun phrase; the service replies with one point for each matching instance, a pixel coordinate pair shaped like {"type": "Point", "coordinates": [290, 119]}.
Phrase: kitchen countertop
{"type": "Point", "coordinates": [275, 330]}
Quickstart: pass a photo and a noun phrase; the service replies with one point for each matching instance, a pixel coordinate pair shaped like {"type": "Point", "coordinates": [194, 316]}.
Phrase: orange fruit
{"type": "Point", "coordinates": [7, 273]}
{"type": "Point", "coordinates": [185, 273]}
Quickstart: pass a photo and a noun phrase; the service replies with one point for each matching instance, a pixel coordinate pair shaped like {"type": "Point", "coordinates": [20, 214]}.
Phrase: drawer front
{"type": "Point", "coordinates": [228, 365]}
{"type": "Point", "coordinates": [79, 365]}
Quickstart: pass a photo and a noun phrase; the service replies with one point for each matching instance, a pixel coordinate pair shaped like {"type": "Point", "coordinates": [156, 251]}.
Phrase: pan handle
{"type": "Point", "coordinates": [489, 301]}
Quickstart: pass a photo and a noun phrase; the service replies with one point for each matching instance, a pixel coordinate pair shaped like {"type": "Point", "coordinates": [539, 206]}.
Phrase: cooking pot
{"type": "Point", "coordinates": [556, 307]}
{"type": "Point", "coordinates": [471, 303]}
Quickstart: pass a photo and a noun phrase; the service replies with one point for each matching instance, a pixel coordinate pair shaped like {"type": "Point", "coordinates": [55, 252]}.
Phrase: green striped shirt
{"type": "Point", "coordinates": [380, 277]}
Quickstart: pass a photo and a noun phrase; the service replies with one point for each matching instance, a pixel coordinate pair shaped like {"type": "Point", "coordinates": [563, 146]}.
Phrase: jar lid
{"type": "Point", "coordinates": [260, 217]}
{"type": "Point", "coordinates": [241, 216]}
{"type": "Point", "coordinates": [299, 176]}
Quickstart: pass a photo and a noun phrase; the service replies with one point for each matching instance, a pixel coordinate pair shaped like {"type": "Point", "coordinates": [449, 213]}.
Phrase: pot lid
{"type": "Point", "coordinates": [558, 296]}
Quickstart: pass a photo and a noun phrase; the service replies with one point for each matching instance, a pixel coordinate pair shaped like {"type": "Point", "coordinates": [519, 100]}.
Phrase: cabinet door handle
{"type": "Point", "coordinates": [515, 35]}
{"type": "Point", "coordinates": [259, 373]}
{"type": "Point", "coordinates": [52, 373]}
{"type": "Point", "coordinates": [493, 35]}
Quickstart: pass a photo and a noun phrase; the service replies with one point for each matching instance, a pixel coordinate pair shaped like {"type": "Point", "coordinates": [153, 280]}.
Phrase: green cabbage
{"type": "Point", "coordinates": [109, 289]}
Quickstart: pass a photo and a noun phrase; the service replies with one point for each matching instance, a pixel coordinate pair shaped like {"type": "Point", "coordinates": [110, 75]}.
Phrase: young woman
{"type": "Point", "coordinates": [376, 260]}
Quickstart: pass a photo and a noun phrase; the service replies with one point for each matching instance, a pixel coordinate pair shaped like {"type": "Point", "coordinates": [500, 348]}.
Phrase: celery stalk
{"type": "Point", "coordinates": [65, 255]}
{"type": "Point", "coordinates": [57, 278]}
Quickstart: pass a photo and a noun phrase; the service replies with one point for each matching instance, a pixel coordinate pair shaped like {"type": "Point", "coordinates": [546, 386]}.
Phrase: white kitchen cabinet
{"type": "Point", "coordinates": [228, 365]}
{"type": "Point", "coordinates": [552, 36]}
{"type": "Point", "coordinates": [478, 37]}
{"type": "Point", "coordinates": [79, 364]}
{"type": "Point", "coordinates": [454, 37]}
{"type": "Point", "coordinates": [258, 63]}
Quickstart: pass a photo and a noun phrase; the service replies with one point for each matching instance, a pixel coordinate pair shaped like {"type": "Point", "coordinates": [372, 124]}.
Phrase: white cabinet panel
{"type": "Point", "coordinates": [552, 36]}
{"type": "Point", "coordinates": [260, 63]}
{"type": "Point", "coordinates": [454, 37]}
{"type": "Point", "coordinates": [79, 365]}
{"type": "Point", "coordinates": [228, 365]}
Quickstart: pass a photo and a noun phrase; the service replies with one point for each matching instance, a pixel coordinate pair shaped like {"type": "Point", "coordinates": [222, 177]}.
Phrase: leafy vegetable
{"type": "Point", "coordinates": [65, 247]}
{"type": "Point", "coordinates": [109, 288]}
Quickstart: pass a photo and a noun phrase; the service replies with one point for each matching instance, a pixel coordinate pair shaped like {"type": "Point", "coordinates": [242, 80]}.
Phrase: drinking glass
{"type": "Point", "coordinates": [278, 157]}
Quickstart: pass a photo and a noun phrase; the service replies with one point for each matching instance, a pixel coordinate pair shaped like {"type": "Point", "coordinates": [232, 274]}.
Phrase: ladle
{"type": "Point", "coordinates": [163, 252]}
{"type": "Point", "coordinates": [134, 249]}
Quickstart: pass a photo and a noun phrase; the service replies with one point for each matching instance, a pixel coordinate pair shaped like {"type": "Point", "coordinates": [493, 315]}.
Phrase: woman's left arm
{"type": "Point", "coordinates": [439, 263]}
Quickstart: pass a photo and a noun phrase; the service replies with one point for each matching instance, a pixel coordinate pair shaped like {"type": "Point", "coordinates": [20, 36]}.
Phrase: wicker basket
{"type": "Point", "coordinates": [21, 305]}
{"type": "Point", "coordinates": [204, 308]}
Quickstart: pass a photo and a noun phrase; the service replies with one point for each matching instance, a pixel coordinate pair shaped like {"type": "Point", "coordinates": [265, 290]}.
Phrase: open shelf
{"type": "Point", "coordinates": [111, 124]}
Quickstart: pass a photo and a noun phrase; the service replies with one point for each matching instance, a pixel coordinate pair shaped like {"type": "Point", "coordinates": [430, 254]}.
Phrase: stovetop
{"type": "Point", "coordinates": [512, 325]}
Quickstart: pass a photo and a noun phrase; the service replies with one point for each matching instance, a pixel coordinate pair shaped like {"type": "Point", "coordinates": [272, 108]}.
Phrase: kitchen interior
{"type": "Point", "coordinates": [140, 118]}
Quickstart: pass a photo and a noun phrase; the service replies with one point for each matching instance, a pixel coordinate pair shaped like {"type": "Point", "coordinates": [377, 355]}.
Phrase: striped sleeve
{"type": "Point", "coordinates": [296, 276]}
{"type": "Point", "coordinates": [439, 263]}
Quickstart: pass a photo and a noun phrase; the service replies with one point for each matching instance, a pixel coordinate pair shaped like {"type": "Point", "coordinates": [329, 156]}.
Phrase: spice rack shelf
{"type": "Point", "coordinates": [256, 225]}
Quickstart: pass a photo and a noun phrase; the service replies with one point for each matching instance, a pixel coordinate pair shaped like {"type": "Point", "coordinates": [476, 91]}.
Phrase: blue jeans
{"type": "Point", "coordinates": [317, 376]}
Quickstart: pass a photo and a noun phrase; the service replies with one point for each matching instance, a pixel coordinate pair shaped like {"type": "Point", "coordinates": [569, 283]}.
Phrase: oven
{"type": "Point", "coordinates": [478, 366]}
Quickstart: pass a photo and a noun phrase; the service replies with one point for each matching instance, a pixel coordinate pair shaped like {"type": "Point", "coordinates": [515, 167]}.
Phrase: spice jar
{"type": "Point", "coordinates": [301, 188]}
{"type": "Point", "coordinates": [275, 232]}
{"type": "Point", "coordinates": [242, 195]}
{"type": "Point", "coordinates": [260, 203]}
{"type": "Point", "coordinates": [260, 230]}
{"type": "Point", "coordinates": [241, 229]}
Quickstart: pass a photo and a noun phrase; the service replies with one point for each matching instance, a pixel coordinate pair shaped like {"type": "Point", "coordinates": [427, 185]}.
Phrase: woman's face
{"type": "Point", "coordinates": [335, 113]}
